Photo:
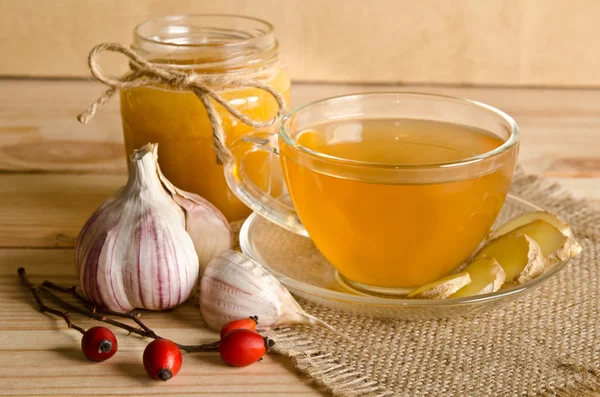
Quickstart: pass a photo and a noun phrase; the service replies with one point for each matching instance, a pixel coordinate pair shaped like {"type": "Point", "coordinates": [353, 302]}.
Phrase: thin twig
{"type": "Point", "coordinates": [43, 308]}
{"type": "Point", "coordinates": [99, 315]}
{"type": "Point", "coordinates": [88, 313]}
{"type": "Point", "coordinates": [134, 316]}
{"type": "Point", "coordinates": [69, 290]}
{"type": "Point", "coordinates": [206, 347]}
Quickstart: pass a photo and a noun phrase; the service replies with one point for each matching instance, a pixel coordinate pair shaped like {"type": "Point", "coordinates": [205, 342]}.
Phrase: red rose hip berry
{"type": "Point", "coordinates": [242, 347]}
{"type": "Point", "coordinates": [99, 343]}
{"type": "Point", "coordinates": [244, 323]}
{"type": "Point", "coordinates": [162, 359]}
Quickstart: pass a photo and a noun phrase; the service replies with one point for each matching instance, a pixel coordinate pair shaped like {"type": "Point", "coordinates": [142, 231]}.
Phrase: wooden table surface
{"type": "Point", "coordinates": [55, 172]}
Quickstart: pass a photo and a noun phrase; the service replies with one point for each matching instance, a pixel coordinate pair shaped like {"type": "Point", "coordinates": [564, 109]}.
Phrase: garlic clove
{"type": "Point", "coordinates": [234, 286]}
{"type": "Point", "coordinates": [207, 226]}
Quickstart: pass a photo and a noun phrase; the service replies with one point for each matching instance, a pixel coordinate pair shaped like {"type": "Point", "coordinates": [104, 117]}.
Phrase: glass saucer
{"type": "Point", "coordinates": [297, 263]}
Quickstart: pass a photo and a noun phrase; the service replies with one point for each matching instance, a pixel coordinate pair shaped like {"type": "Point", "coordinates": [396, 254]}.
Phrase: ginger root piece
{"type": "Point", "coordinates": [442, 288]}
{"type": "Point", "coordinates": [554, 237]}
{"type": "Point", "coordinates": [519, 255]}
{"type": "Point", "coordinates": [486, 276]}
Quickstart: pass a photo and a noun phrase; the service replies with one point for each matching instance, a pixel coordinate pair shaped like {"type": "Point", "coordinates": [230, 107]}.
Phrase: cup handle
{"type": "Point", "coordinates": [252, 195]}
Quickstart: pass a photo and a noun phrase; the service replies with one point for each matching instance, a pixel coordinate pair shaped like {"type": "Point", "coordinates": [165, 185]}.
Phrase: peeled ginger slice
{"type": "Point", "coordinates": [486, 276]}
{"type": "Point", "coordinates": [442, 288]}
{"type": "Point", "coordinates": [519, 255]}
{"type": "Point", "coordinates": [530, 217]}
{"type": "Point", "coordinates": [554, 237]}
{"type": "Point", "coordinates": [554, 245]}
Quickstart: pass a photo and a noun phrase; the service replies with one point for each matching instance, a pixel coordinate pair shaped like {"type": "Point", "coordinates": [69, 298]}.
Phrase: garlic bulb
{"type": "Point", "coordinates": [234, 286]}
{"type": "Point", "coordinates": [135, 252]}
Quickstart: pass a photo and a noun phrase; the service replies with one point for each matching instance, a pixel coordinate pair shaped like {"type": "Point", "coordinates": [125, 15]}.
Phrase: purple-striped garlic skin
{"type": "Point", "coordinates": [134, 251]}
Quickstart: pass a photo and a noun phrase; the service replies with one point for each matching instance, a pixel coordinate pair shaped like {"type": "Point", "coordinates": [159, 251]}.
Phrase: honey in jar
{"type": "Point", "coordinates": [214, 46]}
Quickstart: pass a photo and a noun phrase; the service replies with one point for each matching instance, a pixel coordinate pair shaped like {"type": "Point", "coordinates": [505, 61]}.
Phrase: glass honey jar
{"type": "Point", "coordinates": [210, 46]}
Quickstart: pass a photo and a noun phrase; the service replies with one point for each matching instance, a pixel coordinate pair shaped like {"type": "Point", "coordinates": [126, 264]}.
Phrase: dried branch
{"type": "Point", "coordinates": [134, 316]}
{"type": "Point", "coordinates": [69, 290]}
{"type": "Point", "coordinates": [43, 308]}
{"type": "Point", "coordinates": [91, 311]}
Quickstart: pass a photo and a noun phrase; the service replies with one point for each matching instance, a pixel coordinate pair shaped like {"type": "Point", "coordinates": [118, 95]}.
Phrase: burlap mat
{"type": "Point", "coordinates": [547, 343]}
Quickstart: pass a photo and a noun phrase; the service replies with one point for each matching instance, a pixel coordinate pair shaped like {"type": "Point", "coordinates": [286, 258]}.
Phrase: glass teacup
{"type": "Point", "coordinates": [395, 189]}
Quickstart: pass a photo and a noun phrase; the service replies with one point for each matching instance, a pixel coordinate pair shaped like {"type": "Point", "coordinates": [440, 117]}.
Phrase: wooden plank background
{"type": "Point", "coordinates": [490, 42]}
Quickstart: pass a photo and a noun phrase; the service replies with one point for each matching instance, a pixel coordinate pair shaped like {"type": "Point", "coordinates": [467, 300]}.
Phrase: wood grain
{"type": "Point", "coordinates": [40, 133]}
{"type": "Point", "coordinates": [531, 42]}
{"type": "Point", "coordinates": [40, 210]}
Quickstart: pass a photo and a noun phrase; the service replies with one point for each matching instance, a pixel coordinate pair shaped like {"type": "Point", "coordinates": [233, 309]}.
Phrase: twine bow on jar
{"type": "Point", "coordinates": [144, 73]}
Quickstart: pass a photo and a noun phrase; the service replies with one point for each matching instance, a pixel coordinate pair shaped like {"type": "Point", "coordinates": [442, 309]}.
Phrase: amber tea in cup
{"type": "Point", "coordinates": [395, 189]}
